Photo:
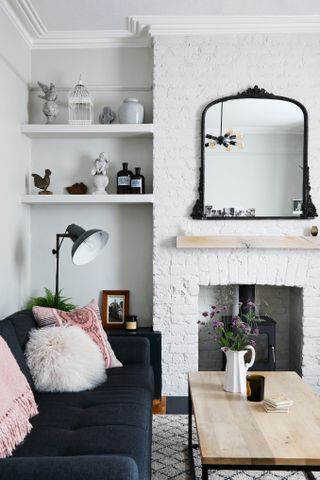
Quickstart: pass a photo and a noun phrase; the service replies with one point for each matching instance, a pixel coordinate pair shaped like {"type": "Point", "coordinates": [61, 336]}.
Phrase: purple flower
{"type": "Point", "coordinates": [253, 343]}
{"type": "Point", "coordinates": [225, 308]}
{"type": "Point", "coordinates": [250, 304]}
{"type": "Point", "coordinates": [213, 307]}
{"type": "Point", "coordinates": [256, 331]}
{"type": "Point", "coordinates": [217, 324]}
{"type": "Point", "coordinates": [212, 314]}
{"type": "Point", "coordinates": [205, 314]}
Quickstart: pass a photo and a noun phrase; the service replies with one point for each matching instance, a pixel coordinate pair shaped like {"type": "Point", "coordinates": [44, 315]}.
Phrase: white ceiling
{"type": "Point", "coordinates": [112, 14]}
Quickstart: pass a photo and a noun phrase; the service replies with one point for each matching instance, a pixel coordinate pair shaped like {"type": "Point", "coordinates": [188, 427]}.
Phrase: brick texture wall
{"type": "Point", "coordinates": [189, 72]}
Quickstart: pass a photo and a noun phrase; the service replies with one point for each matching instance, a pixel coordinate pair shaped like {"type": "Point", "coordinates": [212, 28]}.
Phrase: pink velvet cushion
{"type": "Point", "coordinates": [88, 318]}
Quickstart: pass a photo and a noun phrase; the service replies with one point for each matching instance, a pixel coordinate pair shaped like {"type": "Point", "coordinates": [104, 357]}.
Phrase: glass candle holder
{"type": "Point", "coordinates": [255, 388]}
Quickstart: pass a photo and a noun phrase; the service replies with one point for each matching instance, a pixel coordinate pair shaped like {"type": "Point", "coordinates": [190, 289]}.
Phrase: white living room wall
{"type": "Point", "coordinates": [126, 263]}
{"type": "Point", "coordinates": [190, 72]}
{"type": "Point", "coordinates": [15, 65]}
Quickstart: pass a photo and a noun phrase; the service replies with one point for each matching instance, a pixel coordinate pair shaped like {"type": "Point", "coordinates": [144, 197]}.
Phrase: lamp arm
{"type": "Point", "coordinates": [56, 251]}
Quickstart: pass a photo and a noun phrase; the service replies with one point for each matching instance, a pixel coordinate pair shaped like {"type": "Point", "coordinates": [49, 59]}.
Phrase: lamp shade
{"type": "Point", "coordinates": [87, 244]}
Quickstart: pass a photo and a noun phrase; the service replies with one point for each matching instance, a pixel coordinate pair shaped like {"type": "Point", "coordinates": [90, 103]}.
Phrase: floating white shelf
{"type": "Point", "coordinates": [88, 131]}
{"type": "Point", "coordinates": [86, 199]}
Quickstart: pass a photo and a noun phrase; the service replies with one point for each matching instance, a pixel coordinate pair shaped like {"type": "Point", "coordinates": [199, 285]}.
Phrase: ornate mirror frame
{"type": "Point", "coordinates": [308, 208]}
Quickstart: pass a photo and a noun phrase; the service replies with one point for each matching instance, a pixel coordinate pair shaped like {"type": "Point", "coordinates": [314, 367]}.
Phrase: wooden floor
{"type": "Point", "coordinates": [160, 406]}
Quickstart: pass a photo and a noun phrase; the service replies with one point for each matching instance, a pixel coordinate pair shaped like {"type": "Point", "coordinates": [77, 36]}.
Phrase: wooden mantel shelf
{"type": "Point", "coordinates": [246, 242]}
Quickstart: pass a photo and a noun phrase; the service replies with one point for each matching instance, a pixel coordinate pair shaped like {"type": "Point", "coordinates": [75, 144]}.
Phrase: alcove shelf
{"type": "Point", "coordinates": [246, 242]}
{"type": "Point", "coordinates": [86, 199]}
{"type": "Point", "coordinates": [88, 131]}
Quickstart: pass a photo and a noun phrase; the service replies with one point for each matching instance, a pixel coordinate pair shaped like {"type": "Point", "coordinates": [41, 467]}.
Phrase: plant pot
{"type": "Point", "coordinates": [236, 369]}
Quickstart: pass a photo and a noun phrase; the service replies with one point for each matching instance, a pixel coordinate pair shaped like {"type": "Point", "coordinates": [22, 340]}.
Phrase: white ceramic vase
{"type": "Point", "coordinates": [131, 111]}
{"type": "Point", "coordinates": [236, 369]}
{"type": "Point", "coordinates": [100, 182]}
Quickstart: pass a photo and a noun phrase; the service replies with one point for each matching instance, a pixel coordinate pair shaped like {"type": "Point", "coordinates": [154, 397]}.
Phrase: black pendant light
{"type": "Point", "coordinates": [228, 140]}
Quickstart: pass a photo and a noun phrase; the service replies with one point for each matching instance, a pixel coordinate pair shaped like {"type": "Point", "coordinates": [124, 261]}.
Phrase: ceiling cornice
{"type": "Point", "coordinates": [212, 25]}
{"type": "Point", "coordinates": [141, 29]}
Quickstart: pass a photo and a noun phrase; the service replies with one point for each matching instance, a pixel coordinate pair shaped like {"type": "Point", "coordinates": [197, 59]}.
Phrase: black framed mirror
{"type": "Point", "coordinates": [254, 159]}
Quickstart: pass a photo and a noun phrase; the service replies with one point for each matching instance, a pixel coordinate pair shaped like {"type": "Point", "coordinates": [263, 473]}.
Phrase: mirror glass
{"type": "Point", "coordinates": [253, 158]}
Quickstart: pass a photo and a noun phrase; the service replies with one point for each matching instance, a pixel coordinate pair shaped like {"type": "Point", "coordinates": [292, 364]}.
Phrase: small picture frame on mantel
{"type": "Point", "coordinates": [297, 206]}
{"type": "Point", "coordinates": [115, 308]}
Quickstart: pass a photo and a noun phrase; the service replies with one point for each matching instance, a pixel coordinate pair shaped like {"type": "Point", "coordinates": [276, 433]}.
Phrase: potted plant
{"type": "Point", "coordinates": [234, 342]}
{"type": "Point", "coordinates": [49, 300]}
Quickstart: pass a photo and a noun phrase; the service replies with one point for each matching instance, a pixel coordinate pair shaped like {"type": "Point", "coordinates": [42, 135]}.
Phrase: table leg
{"type": "Point", "coordinates": [189, 419]}
{"type": "Point", "coordinates": [205, 471]}
{"type": "Point", "coordinates": [309, 475]}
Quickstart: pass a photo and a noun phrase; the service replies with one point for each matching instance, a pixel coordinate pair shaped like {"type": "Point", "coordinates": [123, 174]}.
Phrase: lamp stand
{"type": "Point", "coordinates": [56, 251]}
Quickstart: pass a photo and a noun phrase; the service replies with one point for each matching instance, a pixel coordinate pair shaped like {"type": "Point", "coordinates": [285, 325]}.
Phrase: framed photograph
{"type": "Point", "coordinates": [115, 308]}
{"type": "Point", "coordinates": [297, 206]}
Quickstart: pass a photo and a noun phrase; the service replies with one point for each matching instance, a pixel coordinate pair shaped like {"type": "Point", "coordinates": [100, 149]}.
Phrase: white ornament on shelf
{"type": "Point", "coordinates": [80, 105]}
{"type": "Point", "coordinates": [99, 172]}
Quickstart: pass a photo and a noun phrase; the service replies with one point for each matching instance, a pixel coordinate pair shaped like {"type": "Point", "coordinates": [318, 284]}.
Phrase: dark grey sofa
{"type": "Point", "coordinates": [101, 434]}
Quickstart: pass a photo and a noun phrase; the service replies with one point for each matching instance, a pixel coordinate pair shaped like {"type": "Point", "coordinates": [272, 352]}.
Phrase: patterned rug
{"type": "Point", "coordinates": [170, 455]}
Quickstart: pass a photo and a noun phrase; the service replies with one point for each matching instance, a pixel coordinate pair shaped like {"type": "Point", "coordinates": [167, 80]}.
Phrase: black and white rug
{"type": "Point", "coordinates": [170, 455]}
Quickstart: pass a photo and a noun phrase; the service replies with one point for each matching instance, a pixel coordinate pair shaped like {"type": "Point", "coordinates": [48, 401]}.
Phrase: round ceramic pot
{"type": "Point", "coordinates": [131, 111]}
{"type": "Point", "coordinates": [100, 182]}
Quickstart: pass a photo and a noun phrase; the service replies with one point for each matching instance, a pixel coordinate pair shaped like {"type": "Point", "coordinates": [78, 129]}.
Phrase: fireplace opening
{"type": "Point", "coordinates": [279, 318]}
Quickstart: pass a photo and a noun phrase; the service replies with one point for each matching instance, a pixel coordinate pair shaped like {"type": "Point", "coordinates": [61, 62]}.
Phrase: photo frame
{"type": "Point", "coordinates": [297, 206]}
{"type": "Point", "coordinates": [115, 308]}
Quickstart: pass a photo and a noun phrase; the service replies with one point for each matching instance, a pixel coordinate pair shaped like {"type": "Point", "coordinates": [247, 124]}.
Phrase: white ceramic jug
{"type": "Point", "coordinates": [236, 369]}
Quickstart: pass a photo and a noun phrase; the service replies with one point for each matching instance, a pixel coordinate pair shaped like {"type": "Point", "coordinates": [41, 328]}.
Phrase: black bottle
{"type": "Point", "coordinates": [137, 182]}
{"type": "Point", "coordinates": [124, 180]}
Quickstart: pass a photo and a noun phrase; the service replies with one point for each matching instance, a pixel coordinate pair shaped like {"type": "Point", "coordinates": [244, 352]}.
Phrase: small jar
{"type": "Point", "coordinates": [131, 323]}
{"type": "Point", "coordinates": [131, 111]}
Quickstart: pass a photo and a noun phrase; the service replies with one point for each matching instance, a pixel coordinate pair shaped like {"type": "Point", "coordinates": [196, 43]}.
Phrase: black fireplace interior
{"type": "Point", "coordinates": [266, 340]}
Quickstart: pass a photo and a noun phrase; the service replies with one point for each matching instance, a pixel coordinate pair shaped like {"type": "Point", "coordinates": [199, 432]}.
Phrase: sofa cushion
{"type": "Point", "coordinates": [112, 419]}
{"type": "Point", "coordinates": [8, 333]}
{"type": "Point", "coordinates": [22, 322]}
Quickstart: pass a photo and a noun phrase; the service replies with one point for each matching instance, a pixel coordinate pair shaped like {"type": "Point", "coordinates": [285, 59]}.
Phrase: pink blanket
{"type": "Point", "coordinates": [17, 404]}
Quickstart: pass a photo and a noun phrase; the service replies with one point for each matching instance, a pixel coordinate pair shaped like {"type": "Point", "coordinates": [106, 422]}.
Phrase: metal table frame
{"type": "Point", "coordinates": [206, 467]}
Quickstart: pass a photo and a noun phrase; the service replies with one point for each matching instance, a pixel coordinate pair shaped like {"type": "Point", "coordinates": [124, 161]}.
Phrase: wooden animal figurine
{"type": "Point", "coordinates": [77, 189]}
{"type": "Point", "coordinates": [42, 182]}
{"type": "Point", "coordinates": [50, 107]}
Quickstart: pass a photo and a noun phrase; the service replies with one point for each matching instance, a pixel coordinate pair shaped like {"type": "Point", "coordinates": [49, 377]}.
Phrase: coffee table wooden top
{"type": "Point", "coordinates": [233, 431]}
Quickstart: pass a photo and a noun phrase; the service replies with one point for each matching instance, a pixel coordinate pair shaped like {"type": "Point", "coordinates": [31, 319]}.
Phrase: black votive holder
{"type": "Point", "coordinates": [255, 388]}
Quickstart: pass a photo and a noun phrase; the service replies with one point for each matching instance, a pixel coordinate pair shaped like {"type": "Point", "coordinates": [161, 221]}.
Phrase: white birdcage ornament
{"type": "Point", "coordinates": [80, 105]}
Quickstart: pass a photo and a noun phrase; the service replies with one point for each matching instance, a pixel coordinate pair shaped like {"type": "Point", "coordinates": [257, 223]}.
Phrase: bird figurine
{"type": "Point", "coordinates": [50, 107]}
{"type": "Point", "coordinates": [42, 182]}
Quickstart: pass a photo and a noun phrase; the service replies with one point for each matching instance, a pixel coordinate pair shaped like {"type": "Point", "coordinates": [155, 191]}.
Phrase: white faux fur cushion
{"type": "Point", "coordinates": [64, 359]}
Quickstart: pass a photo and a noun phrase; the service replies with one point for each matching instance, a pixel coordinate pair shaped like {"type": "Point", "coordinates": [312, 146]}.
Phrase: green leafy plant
{"type": "Point", "coordinates": [243, 327]}
{"type": "Point", "coordinates": [49, 300]}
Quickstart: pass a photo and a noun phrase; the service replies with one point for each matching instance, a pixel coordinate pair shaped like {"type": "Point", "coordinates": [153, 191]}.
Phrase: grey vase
{"type": "Point", "coordinates": [131, 111]}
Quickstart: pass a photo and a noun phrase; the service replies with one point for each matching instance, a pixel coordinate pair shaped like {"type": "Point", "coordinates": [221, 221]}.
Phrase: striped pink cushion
{"type": "Point", "coordinates": [88, 318]}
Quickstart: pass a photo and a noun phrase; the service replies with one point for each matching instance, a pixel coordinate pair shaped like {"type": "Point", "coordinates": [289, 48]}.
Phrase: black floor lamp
{"type": "Point", "coordinates": [87, 244]}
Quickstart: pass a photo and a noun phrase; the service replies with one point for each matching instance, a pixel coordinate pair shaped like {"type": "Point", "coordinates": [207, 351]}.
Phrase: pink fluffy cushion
{"type": "Point", "coordinates": [88, 318]}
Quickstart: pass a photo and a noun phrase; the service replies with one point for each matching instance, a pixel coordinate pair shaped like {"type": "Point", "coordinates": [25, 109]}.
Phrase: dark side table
{"type": "Point", "coordinates": [155, 352]}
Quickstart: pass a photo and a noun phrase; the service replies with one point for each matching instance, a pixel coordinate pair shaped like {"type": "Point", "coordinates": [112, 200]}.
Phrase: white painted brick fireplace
{"type": "Point", "coordinates": [189, 72]}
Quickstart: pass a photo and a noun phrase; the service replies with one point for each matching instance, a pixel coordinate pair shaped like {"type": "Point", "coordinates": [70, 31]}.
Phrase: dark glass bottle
{"type": "Point", "coordinates": [124, 179]}
{"type": "Point", "coordinates": [137, 182]}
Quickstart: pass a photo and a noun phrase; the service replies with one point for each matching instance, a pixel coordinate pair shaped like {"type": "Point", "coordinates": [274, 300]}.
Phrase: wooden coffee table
{"type": "Point", "coordinates": [239, 435]}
